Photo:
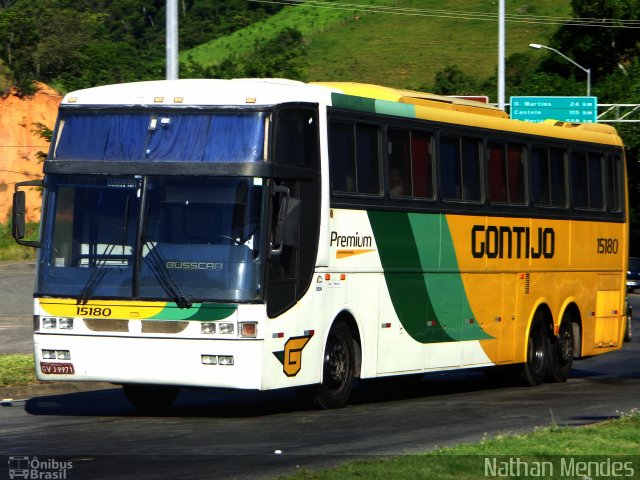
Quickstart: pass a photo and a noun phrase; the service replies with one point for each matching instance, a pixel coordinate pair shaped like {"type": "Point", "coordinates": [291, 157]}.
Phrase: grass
{"type": "Point", "coordinates": [16, 370]}
{"type": "Point", "coordinates": [565, 452]}
{"type": "Point", "coordinates": [308, 20]}
{"type": "Point", "coordinates": [395, 50]}
{"type": "Point", "coordinates": [10, 251]}
{"type": "Point", "coordinates": [409, 50]}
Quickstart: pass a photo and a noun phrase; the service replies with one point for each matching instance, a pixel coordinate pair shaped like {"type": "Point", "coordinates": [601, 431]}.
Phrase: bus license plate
{"type": "Point", "coordinates": [57, 368]}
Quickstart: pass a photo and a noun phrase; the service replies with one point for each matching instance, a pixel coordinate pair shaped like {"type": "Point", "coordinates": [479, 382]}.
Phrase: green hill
{"type": "Point", "coordinates": [400, 50]}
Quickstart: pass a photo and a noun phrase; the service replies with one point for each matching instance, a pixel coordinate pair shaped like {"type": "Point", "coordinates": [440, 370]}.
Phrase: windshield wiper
{"type": "Point", "coordinates": [159, 269]}
{"type": "Point", "coordinates": [99, 272]}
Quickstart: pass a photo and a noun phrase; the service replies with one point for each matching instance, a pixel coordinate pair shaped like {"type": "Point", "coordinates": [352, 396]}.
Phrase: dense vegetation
{"type": "Point", "coordinates": [73, 44]}
{"type": "Point", "coordinates": [78, 43]}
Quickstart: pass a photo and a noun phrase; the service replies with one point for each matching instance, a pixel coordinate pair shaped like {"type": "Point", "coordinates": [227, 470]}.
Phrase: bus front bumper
{"type": "Point", "coordinates": [158, 361]}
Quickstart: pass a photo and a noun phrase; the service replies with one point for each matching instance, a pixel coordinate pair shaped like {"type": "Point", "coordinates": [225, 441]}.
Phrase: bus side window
{"type": "Point", "coordinates": [450, 174]}
{"type": "Point", "coordinates": [496, 170]}
{"type": "Point", "coordinates": [548, 177]}
{"type": "Point", "coordinates": [460, 177]}
{"type": "Point", "coordinates": [471, 177]}
{"type": "Point", "coordinates": [399, 156]}
{"type": "Point", "coordinates": [505, 165]}
{"type": "Point", "coordinates": [342, 150]}
{"type": "Point", "coordinates": [421, 164]}
{"type": "Point", "coordinates": [587, 180]}
{"type": "Point", "coordinates": [558, 177]}
{"type": "Point", "coordinates": [614, 182]}
{"type": "Point", "coordinates": [297, 137]}
{"type": "Point", "coordinates": [354, 158]}
{"type": "Point", "coordinates": [368, 159]}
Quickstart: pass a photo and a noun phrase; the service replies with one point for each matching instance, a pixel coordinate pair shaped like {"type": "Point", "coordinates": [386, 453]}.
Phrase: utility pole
{"type": "Point", "coordinates": [172, 39]}
{"type": "Point", "coordinates": [501, 50]}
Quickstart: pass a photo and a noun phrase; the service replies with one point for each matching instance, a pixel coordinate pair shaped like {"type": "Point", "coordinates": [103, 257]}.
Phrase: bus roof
{"type": "Point", "coordinates": [465, 112]}
{"type": "Point", "coordinates": [377, 99]}
{"type": "Point", "coordinates": [200, 92]}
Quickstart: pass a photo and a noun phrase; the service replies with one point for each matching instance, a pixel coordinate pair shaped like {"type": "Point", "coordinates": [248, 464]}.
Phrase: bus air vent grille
{"type": "Point", "coordinates": [106, 325]}
{"type": "Point", "coordinates": [159, 326]}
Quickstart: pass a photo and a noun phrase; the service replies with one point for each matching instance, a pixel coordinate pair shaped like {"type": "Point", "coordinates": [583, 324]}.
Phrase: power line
{"type": "Point", "coordinates": [461, 15]}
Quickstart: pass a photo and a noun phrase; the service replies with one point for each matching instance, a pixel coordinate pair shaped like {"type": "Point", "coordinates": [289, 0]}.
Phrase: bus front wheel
{"type": "Point", "coordinates": [337, 369]}
{"type": "Point", "coordinates": [151, 398]}
{"type": "Point", "coordinates": [532, 372]}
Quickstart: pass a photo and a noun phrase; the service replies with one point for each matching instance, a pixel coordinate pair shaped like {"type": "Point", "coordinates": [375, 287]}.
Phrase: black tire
{"type": "Point", "coordinates": [534, 370]}
{"type": "Point", "coordinates": [151, 398]}
{"type": "Point", "coordinates": [337, 370]}
{"type": "Point", "coordinates": [561, 352]}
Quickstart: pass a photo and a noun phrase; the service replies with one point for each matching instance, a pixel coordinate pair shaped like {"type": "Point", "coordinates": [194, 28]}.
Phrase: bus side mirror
{"type": "Point", "coordinates": [287, 224]}
{"type": "Point", "coordinates": [18, 217]}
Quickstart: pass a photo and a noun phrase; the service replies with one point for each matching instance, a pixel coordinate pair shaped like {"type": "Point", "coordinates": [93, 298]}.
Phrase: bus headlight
{"type": "Point", "coordinates": [49, 322]}
{"type": "Point", "coordinates": [63, 354]}
{"type": "Point", "coordinates": [207, 328]}
{"type": "Point", "coordinates": [226, 328]}
{"type": "Point", "coordinates": [66, 323]}
{"type": "Point", "coordinates": [225, 360]}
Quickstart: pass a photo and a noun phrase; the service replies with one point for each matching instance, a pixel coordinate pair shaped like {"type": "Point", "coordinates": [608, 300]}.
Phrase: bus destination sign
{"type": "Point", "coordinates": [566, 109]}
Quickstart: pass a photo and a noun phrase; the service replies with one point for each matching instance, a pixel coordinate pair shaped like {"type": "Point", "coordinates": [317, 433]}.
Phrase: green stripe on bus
{"type": "Point", "coordinates": [394, 108]}
{"type": "Point", "coordinates": [423, 278]}
{"type": "Point", "coordinates": [198, 312]}
{"type": "Point", "coordinates": [340, 100]}
{"type": "Point", "coordinates": [404, 277]}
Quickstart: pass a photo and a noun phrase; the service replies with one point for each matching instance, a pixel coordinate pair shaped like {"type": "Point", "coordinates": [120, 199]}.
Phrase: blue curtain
{"type": "Point", "coordinates": [200, 137]}
{"type": "Point", "coordinates": [104, 136]}
{"type": "Point", "coordinates": [235, 138]}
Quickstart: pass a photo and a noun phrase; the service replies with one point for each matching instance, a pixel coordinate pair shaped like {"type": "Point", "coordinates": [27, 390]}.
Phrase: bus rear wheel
{"type": "Point", "coordinates": [337, 369]}
{"type": "Point", "coordinates": [561, 353]}
{"type": "Point", "coordinates": [151, 398]}
{"type": "Point", "coordinates": [533, 371]}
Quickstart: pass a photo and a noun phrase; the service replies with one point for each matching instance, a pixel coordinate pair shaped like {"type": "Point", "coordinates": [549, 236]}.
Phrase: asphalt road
{"type": "Point", "coordinates": [221, 434]}
{"type": "Point", "coordinates": [16, 307]}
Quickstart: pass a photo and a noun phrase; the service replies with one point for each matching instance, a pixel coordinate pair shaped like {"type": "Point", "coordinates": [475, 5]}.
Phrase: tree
{"type": "Point", "coordinates": [452, 80]}
{"type": "Point", "coordinates": [283, 56]}
{"type": "Point", "coordinates": [602, 49]}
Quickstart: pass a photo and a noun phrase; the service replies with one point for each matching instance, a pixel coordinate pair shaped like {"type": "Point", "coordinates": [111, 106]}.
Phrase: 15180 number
{"type": "Point", "coordinates": [93, 312]}
{"type": "Point", "coordinates": [607, 246]}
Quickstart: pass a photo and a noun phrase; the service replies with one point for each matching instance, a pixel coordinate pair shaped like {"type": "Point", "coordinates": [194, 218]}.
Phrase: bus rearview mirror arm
{"type": "Point", "coordinates": [18, 214]}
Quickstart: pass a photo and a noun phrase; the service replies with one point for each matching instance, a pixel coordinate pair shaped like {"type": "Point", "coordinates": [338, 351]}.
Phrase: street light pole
{"type": "Point", "coordinates": [172, 40]}
{"type": "Point", "coordinates": [586, 70]}
{"type": "Point", "coordinates": [501, 45]}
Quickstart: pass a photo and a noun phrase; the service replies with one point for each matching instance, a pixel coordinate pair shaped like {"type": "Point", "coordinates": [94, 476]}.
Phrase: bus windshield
{"type": "Point", "coordinates": [170, 238]}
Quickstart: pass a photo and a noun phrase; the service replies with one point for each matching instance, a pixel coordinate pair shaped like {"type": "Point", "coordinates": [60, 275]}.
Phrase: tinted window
{"type": "Point", "coordinates": [410, 163]}
{"type": "Point", "coordinates": [548, 177]}
{"type": "Point", "coordinates": [614, 183]}
{"type": "Point", "coordinates": [297, 137]}
{"type": "Point", "coordinates": [587, 180]}
{"type": "Point", "coordinates": [354, 158]}
{"type": "Point", "coordinates": [506, 167]}
{"type": "Point", "coordinates": [460, 177]}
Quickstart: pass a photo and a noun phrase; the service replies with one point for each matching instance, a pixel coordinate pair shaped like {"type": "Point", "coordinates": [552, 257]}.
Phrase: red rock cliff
{"type": "Point", "coordinates": [19, 144]}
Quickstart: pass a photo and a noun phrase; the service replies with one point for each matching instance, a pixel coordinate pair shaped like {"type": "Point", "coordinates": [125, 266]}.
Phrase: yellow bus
{"type": "Point", "coordinates": [263, 234]}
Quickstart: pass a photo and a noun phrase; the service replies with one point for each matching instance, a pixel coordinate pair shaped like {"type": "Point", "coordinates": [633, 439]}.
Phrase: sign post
{"type": "Point", "coordinates": [566, 109]}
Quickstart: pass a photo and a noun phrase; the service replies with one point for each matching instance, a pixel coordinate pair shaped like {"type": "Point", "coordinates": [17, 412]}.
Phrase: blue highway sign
{"type": "Point", "coordinates": [566, 109]}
